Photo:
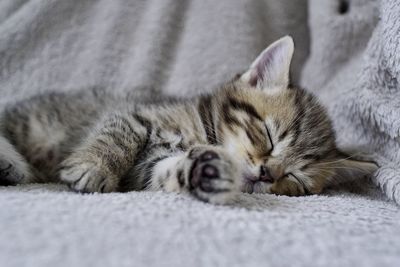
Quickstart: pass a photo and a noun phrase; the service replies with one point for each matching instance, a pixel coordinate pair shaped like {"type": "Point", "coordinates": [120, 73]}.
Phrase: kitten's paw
{"type": "Point", "coordinates": [11, 174]}
{"type": "Point", "coordinates": [87, 178]}
{"type": "Point", "coordinates": [213, 176]}
{"type": "Point", "coordinates": [287, 187]}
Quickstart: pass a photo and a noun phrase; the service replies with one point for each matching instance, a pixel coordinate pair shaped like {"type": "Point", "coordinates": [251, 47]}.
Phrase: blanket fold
{"type": "Point", "coordinates": [354, 67]}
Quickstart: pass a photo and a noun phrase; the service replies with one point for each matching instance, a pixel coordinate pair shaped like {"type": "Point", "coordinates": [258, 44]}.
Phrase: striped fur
{"type": "Point", "coordinates": [249, 135]}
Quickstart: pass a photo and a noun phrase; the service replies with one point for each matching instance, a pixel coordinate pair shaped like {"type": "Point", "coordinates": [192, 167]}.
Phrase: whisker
{"type": "Point", "coordinates": [339, 160]}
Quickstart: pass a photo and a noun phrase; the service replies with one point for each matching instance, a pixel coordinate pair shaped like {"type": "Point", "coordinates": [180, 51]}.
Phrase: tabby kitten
{"type": "Point", "coordinates": [254, 134]}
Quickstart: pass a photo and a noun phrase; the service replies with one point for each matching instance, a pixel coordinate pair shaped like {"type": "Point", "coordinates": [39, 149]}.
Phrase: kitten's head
{"type": "Point", "coordinates": [281, 134]}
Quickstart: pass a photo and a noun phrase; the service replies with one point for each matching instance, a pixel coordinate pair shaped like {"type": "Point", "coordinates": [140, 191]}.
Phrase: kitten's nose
{"type": "Point", "coordinates": [265, 175]}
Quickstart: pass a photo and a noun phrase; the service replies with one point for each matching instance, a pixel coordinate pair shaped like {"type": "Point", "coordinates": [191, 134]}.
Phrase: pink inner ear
{"type": "Point", "coordinates": [253, 80]}
{"type": "Point", "coordinates": [261, 66]}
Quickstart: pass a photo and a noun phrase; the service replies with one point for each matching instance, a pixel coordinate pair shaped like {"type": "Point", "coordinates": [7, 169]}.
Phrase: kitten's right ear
{"type": "Point", "coordinates": [270, 70]}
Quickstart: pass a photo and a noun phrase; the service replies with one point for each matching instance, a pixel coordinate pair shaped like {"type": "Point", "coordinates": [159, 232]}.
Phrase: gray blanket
{"type": "Point", "coordinates": [183, 47]}
{"type": "Point", "coordinates": [347, 52]}
{"type": "Point", "coordinates": [354, 67]}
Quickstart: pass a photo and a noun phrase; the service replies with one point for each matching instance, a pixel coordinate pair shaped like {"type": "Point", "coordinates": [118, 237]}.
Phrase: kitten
{"type": "Point", "coordinates": [254, 134]}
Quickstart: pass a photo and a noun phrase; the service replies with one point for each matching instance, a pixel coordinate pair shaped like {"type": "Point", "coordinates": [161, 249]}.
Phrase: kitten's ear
{"type": "Point", "coordinates": [270, 70]}
{"type": "Point", "coordinates": [349, 169]}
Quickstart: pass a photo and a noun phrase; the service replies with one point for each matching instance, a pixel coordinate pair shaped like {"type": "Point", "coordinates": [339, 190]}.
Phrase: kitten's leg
{"type": "Point", "coordinates": [13, 167]}
{"type": "Point", "coordinates": [98, 164]}
{"type": "Point", "coordinates": [207, 172]}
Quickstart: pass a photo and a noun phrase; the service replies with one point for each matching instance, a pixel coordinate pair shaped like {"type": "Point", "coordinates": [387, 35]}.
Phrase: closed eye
{"type": "Point", "coordinates": [270, 139]}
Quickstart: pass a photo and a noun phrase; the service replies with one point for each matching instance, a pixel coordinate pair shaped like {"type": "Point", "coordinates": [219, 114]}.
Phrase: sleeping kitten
{"type": "Point", "coordinates": [254, 134]}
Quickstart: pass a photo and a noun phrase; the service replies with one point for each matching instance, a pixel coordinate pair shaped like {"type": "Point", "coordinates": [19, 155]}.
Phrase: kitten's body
{"type": "Point", "coordinates": [241, 137]}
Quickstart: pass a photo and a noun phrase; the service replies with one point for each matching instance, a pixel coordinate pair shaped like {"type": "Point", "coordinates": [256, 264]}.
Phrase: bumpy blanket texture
{"type": "Point", "coordinates": [347, 52]}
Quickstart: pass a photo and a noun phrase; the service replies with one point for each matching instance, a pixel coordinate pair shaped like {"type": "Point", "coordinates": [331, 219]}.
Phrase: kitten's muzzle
{"type": "Point", "coordinates": [270, 175]}
{"type": "Point", "coordinates": [265, 175]}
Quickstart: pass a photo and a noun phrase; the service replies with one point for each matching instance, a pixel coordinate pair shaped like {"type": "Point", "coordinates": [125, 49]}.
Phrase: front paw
{"type": "Point", "coordinates": [86, 177]}
{"type": "Point", "coordinates": [213, 176]}
{"type": "Point", "coordinates": [9, 174]}
{"type": "Point", "coordinates": [288, 187]}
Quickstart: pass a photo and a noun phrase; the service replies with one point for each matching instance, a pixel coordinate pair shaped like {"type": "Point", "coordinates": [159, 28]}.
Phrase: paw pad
{"type": "Point", "coordinates": [210, 171]}
{"type": "Point", "coordinates": [208, 155]}
{"type": "Point", "coordinates": [212, 177]}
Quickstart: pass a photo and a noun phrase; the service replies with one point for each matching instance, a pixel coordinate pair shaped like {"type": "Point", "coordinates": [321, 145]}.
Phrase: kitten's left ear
{"type": "Point", "coordinates": [270, 70]}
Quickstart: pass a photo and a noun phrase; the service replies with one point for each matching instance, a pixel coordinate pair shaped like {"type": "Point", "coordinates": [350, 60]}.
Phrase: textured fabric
{"type": "Point", "coordinates": [183, 47]}
{"type": "Point", "coordinates": [187, 47]}
{"type": "Point", "coordinates": [42, 226]}
{"type": "Point", "coordinates": [354, 68]}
